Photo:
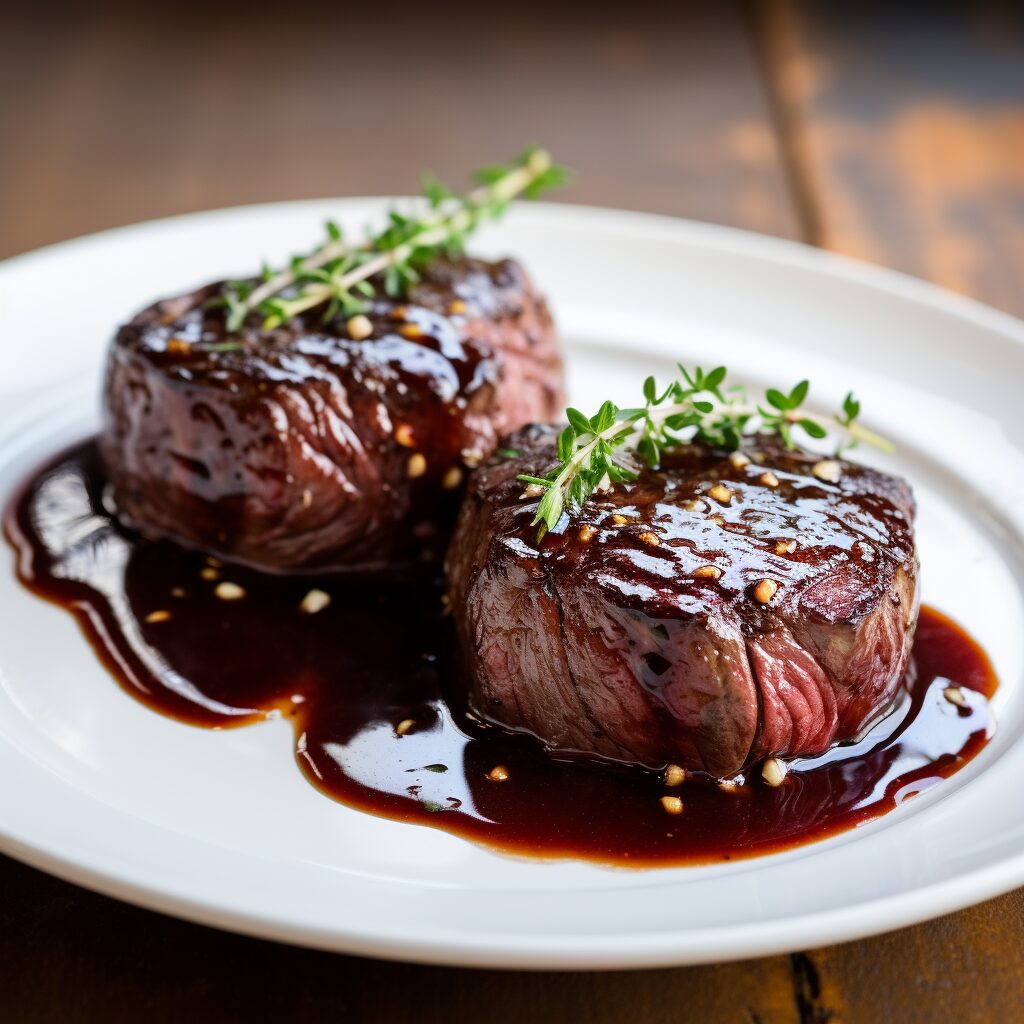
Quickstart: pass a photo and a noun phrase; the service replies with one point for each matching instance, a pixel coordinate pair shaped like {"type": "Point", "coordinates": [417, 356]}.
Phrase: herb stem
{"type": "Point", "coordinates": [861, 433]}
{"type": "Point", "coordinates": [316, 294]}
{"type": "Point", "coordinates": [693, 407]}
{"type": "Point", "coordinates": [434, 230]}
{"type": "Point", "coordinates": [857, 431]}
{"type": "Point", "coordinates": [626, 431]}
{"type": "Point", "coordinates": [333, 250]}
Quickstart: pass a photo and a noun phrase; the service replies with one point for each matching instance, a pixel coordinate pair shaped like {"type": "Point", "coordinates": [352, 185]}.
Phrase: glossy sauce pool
{"type": "Point", "coordinates": [367, 682]}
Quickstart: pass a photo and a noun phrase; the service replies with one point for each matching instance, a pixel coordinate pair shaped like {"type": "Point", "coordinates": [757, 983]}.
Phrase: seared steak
{"type": "Point", "coordinates": [673, 621]}
{"type": "Point", "coordinates": [312, 446]}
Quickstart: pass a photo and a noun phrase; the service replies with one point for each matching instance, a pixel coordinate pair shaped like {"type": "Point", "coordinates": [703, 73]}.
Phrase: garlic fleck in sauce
{"type": "Point", "coordinates": [369, 683]}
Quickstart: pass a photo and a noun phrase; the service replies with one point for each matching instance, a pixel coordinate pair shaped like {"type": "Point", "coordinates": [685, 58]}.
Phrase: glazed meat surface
{"type": "Point", "coordinates": [676, 621]}
{"type": "Point", "coordinates": [311, 446]}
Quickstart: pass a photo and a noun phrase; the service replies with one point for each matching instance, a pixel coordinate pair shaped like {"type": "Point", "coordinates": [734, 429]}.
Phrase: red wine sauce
{"type": "Point", "coordinates": [368, 683]}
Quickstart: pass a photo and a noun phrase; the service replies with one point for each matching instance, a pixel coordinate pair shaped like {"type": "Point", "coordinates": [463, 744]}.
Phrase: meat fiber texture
{"type": "Point", "coordinates": [634, 632]}
{"type": "Point", "coordinates": [304, 448]}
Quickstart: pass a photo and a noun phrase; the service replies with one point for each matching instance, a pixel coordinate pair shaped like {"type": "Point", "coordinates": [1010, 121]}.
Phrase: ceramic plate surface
{"type": "Point", "coordinates": [220, 827]}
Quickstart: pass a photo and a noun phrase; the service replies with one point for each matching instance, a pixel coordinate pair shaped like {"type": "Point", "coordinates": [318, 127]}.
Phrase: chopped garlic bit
{"type": "Point", "coordinates": [416, 466]}
{"type": "Point", "coordinates": [227, 591]}
{"type": "Point", "coordinates": [773, 772]}
{"type": "Point", "coordinates": [672, 804]}
{"type": "Point", "coordinates": [404, 726]}
{"type": "Point", "coordinates": [828, 470]}
{"type": "Point", "coordinates": [158, 616]}
{"type": "Point", "coordinates": [674, 775]}
{"type": "Point", "coordinates": [315, 601]}
{"type": "Point", "coordinates": [499, 773]}
{"type": "Point", "coordinates": [359, 327]}
{"type": "Point", "coordinates": [708, 572]}
{"type": "Point", "coordinates": [179, 347]}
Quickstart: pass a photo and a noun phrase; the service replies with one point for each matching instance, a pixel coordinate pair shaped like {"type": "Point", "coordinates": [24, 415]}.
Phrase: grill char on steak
{"type": "Point", "coordinates": [603, 643]}
{"type": "Point", "coordinates": [306, 449]}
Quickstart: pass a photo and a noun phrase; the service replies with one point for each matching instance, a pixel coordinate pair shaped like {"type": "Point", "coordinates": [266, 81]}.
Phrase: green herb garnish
{"type": "Point", "coordinates": [610, 447]}
{"type": "Point", "coordinates": [338, 276]}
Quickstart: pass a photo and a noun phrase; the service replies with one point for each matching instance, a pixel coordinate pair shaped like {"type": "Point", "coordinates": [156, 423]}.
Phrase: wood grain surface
{"type": "Point", "coordinates": [905, 133]}
{"type": "Point", "coordinates": [130, 116]}
{"type": "Point", "coordinates": [889, 134]}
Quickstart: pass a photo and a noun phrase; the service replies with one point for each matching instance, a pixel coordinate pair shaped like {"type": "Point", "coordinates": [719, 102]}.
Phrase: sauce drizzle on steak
{"type": "Point", "coordinates": [318, 446]}
{"type": "Point", "coordinates": [716, 612]}
{"type": "Point", "coordinates": [377, 708]}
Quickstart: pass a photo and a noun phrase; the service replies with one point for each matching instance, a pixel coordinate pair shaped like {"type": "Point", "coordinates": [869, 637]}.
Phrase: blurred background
{"type": "Point", "coordinates": [893, 132]}
{"type": "Point", "coordinates": [890, 132]}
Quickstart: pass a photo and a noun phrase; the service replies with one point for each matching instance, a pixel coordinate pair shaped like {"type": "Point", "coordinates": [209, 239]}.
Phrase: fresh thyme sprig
{"type": "Point", "coordinates": [596, 452]}
{"type": "Point", "coordinates": [338, 276]}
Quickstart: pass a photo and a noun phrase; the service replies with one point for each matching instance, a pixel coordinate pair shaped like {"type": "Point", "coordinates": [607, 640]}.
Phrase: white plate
{"type": "Point", "coordinates": [221, 827]}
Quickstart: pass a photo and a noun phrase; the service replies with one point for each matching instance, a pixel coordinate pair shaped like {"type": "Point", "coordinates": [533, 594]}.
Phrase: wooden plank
{"type": "Point", "coordinates": [131, 114]}
{"type": "Point", "coordinates": [963, 967]}
{"type": "Point", "coordinates": [906, 128]}
{"type": "Point", "coordinates": [70, 955]}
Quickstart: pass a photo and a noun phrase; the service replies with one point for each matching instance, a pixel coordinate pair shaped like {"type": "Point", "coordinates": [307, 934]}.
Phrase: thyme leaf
{"type": "Point", "coordinates": [613, 445]}
{"type": "Point", "coordinates": [337, 276]}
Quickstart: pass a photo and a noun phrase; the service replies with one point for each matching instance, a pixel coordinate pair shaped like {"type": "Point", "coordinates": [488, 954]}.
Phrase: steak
{"type": "Point", "coordinates": [672, 621]}
{"type": "Point", "coordinates": [313, 446]}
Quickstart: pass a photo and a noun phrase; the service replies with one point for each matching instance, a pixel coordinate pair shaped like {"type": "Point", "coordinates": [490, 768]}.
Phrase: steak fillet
{"type": "Point", "coordinates": [306, 448]}
{"type": "Point", "coordinates": [640, 630]}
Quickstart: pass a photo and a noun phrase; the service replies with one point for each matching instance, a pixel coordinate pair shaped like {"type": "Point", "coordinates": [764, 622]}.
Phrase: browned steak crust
{"type": "Point", "coordinates": [305, 448]}
{"type": "Point", "coordinates": [635, 631]}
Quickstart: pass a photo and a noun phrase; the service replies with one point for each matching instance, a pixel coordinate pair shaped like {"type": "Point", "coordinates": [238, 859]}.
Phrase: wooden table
{"type": "Point", "coordinates": [896, 136]}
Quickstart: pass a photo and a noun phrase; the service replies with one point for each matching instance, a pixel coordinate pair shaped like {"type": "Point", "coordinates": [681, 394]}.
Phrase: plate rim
{"type": "Point", "coordinates": [537, 951]}
{"type": "Point", "coordinates": [724, 237]}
